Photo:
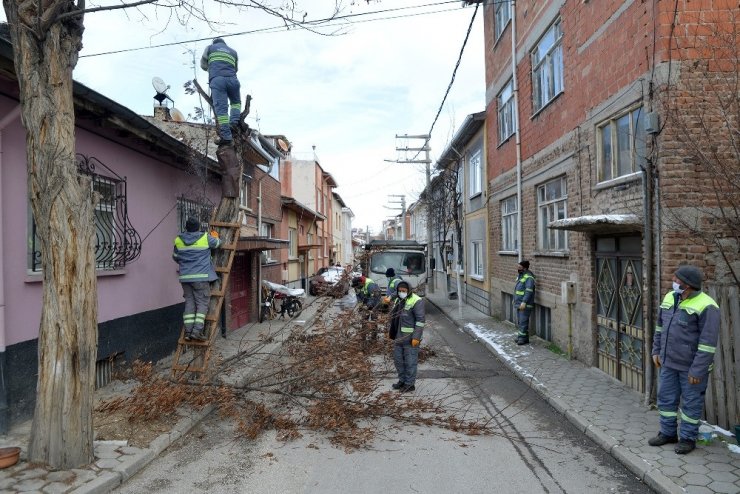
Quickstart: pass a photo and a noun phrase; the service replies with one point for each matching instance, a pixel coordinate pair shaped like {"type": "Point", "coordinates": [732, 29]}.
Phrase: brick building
{"type": "Point", "coordinates": [610, 101]}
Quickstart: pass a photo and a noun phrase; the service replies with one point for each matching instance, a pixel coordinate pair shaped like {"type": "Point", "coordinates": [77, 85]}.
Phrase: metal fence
{"type": "Point", "coordinates": [722, 405]}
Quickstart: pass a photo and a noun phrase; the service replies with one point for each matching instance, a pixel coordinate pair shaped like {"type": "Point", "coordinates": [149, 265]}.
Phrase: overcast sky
{"type": "Point", "coordinates": [348, 95]}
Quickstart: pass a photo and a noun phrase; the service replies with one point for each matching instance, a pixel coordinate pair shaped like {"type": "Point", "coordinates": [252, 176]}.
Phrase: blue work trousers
{"type": "Point", "coordinates": [226, 95]}
{"type": "Point", "coordinates": [523, 322]}
{"type": "Point", "coordinates": [406, 358]}
{"type": "Point", "coordinates": [673, 386]}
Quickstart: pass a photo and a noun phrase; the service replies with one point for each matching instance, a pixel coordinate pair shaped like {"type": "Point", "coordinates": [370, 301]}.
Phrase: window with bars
{"type": "Point", "coordinates": [552, 204]}
{"type": "Point", "coordinates": [117, 243]}
{"type": "Point", "coordinates": [198, 208]}
{"type": "Point", "coordinates": [509, 225]}
{"type": "Point", "coordinates": [506, 113]}
{"type": "Point", "coordinates": [547, 67]}
{"type": "Point", "coordinates": [622, 144]}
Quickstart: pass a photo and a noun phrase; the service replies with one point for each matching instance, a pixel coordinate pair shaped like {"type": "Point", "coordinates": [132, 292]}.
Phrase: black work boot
{"type": "Point", "coordinates": [407, 388]}
{"type": "Point", "coordinates": [522, 340]}
{"type": "Point", "coordinates": [223, 142]}
{"type": "Point", "coordinates": [188, 335]}
{"type": "Point", "coordinates": [660, 440]}
{"type": "Point", "coordinates": [685, 446]}
{"type": "Point", "coordinates": [398, 385]}
{"type": "Point", "coordinates": [198, 336]}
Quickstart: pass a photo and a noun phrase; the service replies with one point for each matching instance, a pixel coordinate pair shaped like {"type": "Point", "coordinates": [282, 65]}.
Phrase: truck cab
{"type": "Point", "coordinates": [406, 257]}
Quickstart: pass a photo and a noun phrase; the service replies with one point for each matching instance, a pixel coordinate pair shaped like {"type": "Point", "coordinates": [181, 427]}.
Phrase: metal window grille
{"type": "Point", "coordinates": [116, 241]}
{"type": "Point", "coordinates": [198, 208]}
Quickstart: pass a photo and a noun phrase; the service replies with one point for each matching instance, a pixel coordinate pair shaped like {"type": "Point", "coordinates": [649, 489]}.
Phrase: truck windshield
{"type": "Point", "coordinates": [404, 263]}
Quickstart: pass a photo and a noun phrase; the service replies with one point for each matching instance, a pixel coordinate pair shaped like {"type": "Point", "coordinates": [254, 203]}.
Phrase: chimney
{"type": "Point", "coordinates": [162, 113]}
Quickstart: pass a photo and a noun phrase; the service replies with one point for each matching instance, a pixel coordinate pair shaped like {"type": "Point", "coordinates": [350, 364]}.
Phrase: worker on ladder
{"type": "Point", "coordinates": [192, 252]}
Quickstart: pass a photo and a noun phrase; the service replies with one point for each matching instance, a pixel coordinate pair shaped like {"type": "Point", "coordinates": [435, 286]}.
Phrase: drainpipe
{"type": "Point", "coordinates": [647, 218]}
{"type": "Point", "coordinates": [4, 409]}
{"type": "Point", "coordinates": [515, 87]}
{"type": "Point", "coordinates": [259, 233]}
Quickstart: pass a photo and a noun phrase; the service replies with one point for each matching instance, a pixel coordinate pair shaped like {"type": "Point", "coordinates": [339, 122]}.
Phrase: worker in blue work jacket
{"type": "Point", "coordinates": [222, 63]}
{"type": "Point", "coordinates": [367, 291]}
{"type": "Point", "coordinates": [406, 328]}
{"type": "Point", "coordinates": [393, 279]}
{"type": "Point", "coordinates": [523, 301]}
{"type": "Point", "coordinates": [192, 252]}
{"type": "Point", "coordinates": [685, 340]}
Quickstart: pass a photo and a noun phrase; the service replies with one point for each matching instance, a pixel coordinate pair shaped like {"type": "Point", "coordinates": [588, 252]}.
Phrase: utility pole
{"type": "Point", "coordinates": [402, 202]}
{"type": "Point", "coordinates": [427, 162]}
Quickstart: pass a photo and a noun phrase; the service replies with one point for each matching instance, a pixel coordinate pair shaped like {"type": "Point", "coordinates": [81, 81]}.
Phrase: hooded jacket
{"type": "Point", "coordinates": [193, 252]}
{"type": "Point", "coordinates": [524, 289]}
{"type": "Point", "coordinates": [411, 316]}
{"type": "Point", "coordinates": [219, 60]}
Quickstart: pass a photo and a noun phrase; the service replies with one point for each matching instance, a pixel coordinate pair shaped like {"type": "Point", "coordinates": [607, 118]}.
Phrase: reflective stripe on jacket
{"type": "Point", "coordinates": [524, 289]}
{"type": "Point", "coordinates": [392, 282]}
{"type": "Point", "coordinates": [411, 319]}
{"type": "Point", "coordinates": [192, 251]}
{"type": "Point", "coordinates": [219, 60]}
{"type": "Point", "coordinates": [686, 334]}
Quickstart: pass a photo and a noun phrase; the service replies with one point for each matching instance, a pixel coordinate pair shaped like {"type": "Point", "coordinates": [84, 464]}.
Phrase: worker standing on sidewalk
{"type": "Point", "coordinates": [523, 301]}
{"type": "Point", "coordinates": [407, 318]}
{"type": "Point", "coordinates": [683, 348]}
{"type": "Point", "coordinates": [192, 252]}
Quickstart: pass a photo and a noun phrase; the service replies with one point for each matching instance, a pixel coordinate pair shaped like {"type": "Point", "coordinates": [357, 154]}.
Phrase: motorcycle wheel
{"type": "Point", "coordinates": [295, 308]}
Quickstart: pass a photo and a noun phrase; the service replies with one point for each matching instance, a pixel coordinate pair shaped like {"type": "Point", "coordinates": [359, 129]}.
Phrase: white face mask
{"type": "Point", "coordinates": [402, 295]}
{"type": "Point", "coordinates": [677, 288]}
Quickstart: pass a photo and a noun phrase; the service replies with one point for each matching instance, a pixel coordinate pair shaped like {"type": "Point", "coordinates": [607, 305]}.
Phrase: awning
{"type": "Point", "coordinates": [309, 246]}
{"type": "Point", "coordinates": [261, 243]}
{"type": "Point", "coordinates": [599, 223]}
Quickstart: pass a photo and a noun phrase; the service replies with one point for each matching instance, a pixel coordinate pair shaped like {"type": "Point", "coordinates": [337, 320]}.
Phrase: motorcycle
{"type": "Point", "coordinates": [288, 297]}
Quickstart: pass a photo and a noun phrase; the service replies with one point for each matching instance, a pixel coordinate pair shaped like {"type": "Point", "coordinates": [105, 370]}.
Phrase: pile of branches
{"type": "Point", "coordinates": [326, 378]}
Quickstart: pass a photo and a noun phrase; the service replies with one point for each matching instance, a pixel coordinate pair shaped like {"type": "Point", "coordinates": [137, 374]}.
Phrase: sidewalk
{"type": "Point", "coordinates": [115, 461]}
{"type": "Point", "coordinates": [608, 412]}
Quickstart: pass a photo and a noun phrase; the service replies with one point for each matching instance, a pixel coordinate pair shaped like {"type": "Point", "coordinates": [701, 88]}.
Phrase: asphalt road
{"type": "Point", "coordinates": [533, 449]}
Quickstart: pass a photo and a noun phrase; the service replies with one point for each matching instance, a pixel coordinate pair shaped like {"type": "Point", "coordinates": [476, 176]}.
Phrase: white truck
{"type": "Point", "coordinates": [407, 258]}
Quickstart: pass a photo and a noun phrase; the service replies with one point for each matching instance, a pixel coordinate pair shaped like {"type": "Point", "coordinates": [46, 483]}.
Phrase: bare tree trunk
{"type": "Point", "coordinates": [45, 54]}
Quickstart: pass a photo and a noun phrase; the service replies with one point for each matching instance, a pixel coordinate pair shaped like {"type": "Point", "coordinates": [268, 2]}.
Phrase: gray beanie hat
{"type": "Point", "coordinates": [691, 275]}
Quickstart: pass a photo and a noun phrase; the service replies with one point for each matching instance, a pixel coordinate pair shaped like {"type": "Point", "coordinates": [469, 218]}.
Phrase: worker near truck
{"type": "Point", "coordinates": [391, 291]}
{"type": "Point", "coordinates": [367, 291]}
{"type": "Point", "coordinates": [192, 252]}
{"type": "Point", "coordinates": [406, 328]}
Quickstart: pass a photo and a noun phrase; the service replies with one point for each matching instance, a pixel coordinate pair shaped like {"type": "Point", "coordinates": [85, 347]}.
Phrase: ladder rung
{"type": "Point", "coordinates": [220, 269]}
{"type": "Point", "coordinates": [197, 343]}
{"type": "Point", "coordinates": [217, 293]}
{"type": "Point", "coordinates": [229, 246]}
{"type": "Point", "coordinates": [225, 224]}
{"type": "Point", "coordinates": [211, 318]}
{"type": "Point", "coordinates": [180, 367]}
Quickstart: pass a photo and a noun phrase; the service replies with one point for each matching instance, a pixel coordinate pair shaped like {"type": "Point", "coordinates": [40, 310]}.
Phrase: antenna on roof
{"type": "Point", "coordinates": [161, 88]}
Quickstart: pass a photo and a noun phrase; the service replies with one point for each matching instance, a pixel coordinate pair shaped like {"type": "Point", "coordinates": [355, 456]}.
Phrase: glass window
{"type": "Point", "coordinates": [509, 225]}
{"type": "Point", "coordinates": [476, 172]}
{"type": "Point", "coordinates": [309, 241]}
{"type": "Point", "coordinates": [401, 262]}
{"type": "Point", "coordinates": [502, 16]}
{"type": "Point", "coordinates": [244, 192]}
{"type": "Point", "coordinates": [506, 114]}
{"type": "Point", "coordinates": [476, 258]}
{"type": "Point", "coordinates": [547, 67]}
{"type": "Point", "coordinates": [266, 231]}
{"type": "Point", "coordinates": [622, 141]}
{"type": "Point", "coordinates": [552, 202]}
{"type": "Point", "coordinates": [293, 243]}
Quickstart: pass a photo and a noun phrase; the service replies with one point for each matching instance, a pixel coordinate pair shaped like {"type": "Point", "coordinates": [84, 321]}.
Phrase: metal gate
{"type": "Point", "coordinates": [619, 310]}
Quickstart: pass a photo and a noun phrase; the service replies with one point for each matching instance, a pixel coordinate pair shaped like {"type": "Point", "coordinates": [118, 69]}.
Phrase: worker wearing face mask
{"type": "Point", "coordinates": [684, 343]}
{"type": "Point", "coordinates": [407, 322]}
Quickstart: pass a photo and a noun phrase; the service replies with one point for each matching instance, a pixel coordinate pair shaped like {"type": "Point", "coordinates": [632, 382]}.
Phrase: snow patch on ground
{"type": "Point", "coordinates": [734, 448]}
{"type": "Point", "coordinates": [495, 340]}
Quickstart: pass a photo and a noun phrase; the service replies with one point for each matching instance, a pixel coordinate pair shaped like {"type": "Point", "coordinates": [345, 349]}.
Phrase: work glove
{"type": "Point", "coordinates": [522, 306]}
{"type": "Point", "coordinates": [214, 234]}
{"type": "Point", "coordinates": [656, 360]}
{"type": "Point", "coordinates": [415, 342]}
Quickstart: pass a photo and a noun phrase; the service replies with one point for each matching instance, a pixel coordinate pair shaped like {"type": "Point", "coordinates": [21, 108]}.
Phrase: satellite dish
{"type": "Point", "coordinates": [283, 145]}
{"type": "Point", "coordinates": [159, 85]}
{"type": "Point", "coordinates": [176, 115]}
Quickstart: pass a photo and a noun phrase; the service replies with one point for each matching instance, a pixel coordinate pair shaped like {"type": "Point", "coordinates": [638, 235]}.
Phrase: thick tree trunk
{"type": "Point", "coordinates": [45, 55]}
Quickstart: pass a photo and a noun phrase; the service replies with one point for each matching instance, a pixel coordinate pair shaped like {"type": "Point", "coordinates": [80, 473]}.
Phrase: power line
{"type": "Point", "coordinates": [326, 22]}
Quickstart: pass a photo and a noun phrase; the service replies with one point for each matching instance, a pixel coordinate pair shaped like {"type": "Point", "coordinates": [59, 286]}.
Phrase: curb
{"type": "Point", "coordinates": [108, 481]}
{"type": "Point", "coordinates": [646, 472]}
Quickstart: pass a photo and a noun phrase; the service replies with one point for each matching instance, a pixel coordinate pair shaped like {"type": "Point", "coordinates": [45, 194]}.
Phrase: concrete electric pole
{"type": "Point", "coordinates": [400, 199]}
{"type": "Point", "coordinates": [427, 162]}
